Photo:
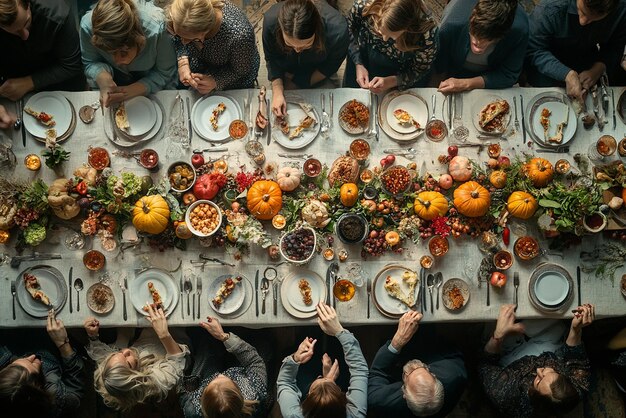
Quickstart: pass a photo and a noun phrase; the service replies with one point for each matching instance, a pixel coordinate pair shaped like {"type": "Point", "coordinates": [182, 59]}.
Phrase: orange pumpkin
{"type": "Point", "coordinates": [392, 238]}
{"type": "Point", "coordinates": [522, 205]}
{"type": "Point", "coordinates": [460, 168]}
{"type": "Point", "coordinates": [348, 194]}
{"type": "Point", "coordinates": [151, 214]}
{"type": "Point", "coordinates": [265, 199]}
{"type": "Point", "coordinates": [498, 179]}
{"type": "Point", "coordinates": [429, 205]}
{"type": "Point", "coordinates": [539, 171]}
{"type": "Point", "coordinates": [624, 194]}
{"type": "Point", "coordinates": [471, 199]}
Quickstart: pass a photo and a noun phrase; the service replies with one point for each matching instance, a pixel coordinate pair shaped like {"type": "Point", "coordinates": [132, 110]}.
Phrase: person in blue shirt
{"type": "Point", "coordinates": [481, 44]}
{"type": "Point", "coordinates": [126, 50]}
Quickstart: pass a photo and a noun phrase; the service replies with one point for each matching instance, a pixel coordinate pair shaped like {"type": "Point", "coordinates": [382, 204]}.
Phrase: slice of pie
{"type": "Point", "coordinates": [121, 118]}
{"type": "Point", "coordinates": [44, 118]}
{"type": "Point", "coordinates": [305, 291]}
{"type": "Point", "coordinates": [393, 289]}
{"type": "Point", "coordinates": [157, 302]}
{"type": "Point", "coordinates": [404, 118]}
{"type": "Point", "coordinates": [410, 279]}
{"type": "Point", "coordinates": [219, 109]}
{"type": "Point", "coordinates": [34, 288]}
{"type": "Point", "coordinates": [305, 123]}
{"type": "Point", "coordinates": [225, 291]}
{"type": "Point", "coordinates": [492, 115]}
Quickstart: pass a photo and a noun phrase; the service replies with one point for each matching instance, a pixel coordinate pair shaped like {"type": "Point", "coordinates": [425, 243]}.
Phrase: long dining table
{"type": "Point", "coordinates": [462, 260]}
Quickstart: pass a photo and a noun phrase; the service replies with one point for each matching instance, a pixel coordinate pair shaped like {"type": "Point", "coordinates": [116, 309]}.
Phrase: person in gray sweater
{"type": "Point", "coordinates": [481, 44]}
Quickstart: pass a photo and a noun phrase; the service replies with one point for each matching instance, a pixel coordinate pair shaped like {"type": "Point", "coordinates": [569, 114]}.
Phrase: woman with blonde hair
{"type": "Point", "coordinates": [215, 45]}
{"type": "Point", "coordinates": [393, 43]}
{"type": "Point", "coordinates": [304, 43]}
{"type": "Point", "coordinates": [126, 50]}
{"type": "Point", "coordinates": [144, 372]}
{"type": "Point", "coordinates": [239, 391]}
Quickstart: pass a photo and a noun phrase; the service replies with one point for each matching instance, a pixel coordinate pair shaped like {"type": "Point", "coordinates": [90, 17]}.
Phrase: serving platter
{"type": "Point", "coordinates": [295, 115]}
{"type": "Point", "coordinates": [234, 301]}
{"type": "Point", "coordinates": [201, 117]}
{"type": "Point", "coordinates": [291, 297]}
{"type": "Point", "coordinates": [387, 305]}
{"type": "Point", "coordinates": [164, 284]}
{"type": "Point", "coordinates": [557, 103]}
{"type": "Point", "coordinates": [57, 105]}
{"type": "Point", "coordinates": [418, 109]}
{"type": "Point", "coordinates": [52, 283]}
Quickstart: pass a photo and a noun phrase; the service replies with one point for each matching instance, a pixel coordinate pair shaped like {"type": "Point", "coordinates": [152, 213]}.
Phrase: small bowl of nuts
{"type": "Point", "coordinates": [503, 260]}
{"type": "Point", "coordinates": [203, 218]}
{"type": "Point", "coordinates": [182, 176]}
{"type": "Point", "coordinates": [396, 180]}
{"type": "Point", "coordinates": [526, 248]}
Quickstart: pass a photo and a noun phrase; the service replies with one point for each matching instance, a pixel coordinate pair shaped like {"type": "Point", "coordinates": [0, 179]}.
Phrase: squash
{"type": "Point", "coordinates": [539, 171]}
{"type": "Point", "coordinates": [392, 238]}
{"type": "Point", "coordinates": [471, 199]}
{"type": "Point", "coordinates": [498, 179]}
{"type": "Point", "coordinates": [288, 178]}
{"type": "Point", "coordinates": [429, 205]}
{"type": "Point", "coordinates": [521, 205]}
{"type": "Point", "coordinates": [460, 168]}
{"type": "Point", "coordinates": [265, 199]}
{"type": "Point", "coordinates": [151, 214]}
{"type": "Point", "coordinates": [182, 231]}
{"type": "Point", "coordinates": [348, 194]}
{"type": "Point", "coordinates": [63, 205]}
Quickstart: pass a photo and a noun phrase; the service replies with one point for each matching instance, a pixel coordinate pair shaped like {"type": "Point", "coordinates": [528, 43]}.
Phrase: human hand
{"type": "Point", "coordinates": [15, 88]}
{"type": "Point", "coordinates": [92, 326]}
{"type": "Point", "coordinates": [304, 351]}
{"type": "Point", "coordinates": [205, 84]}
{"type": "Point", "coordinates": [279, 106]}
{"type": "Point", "coordinates": [158, 321]}
{"type": "Point", "coordinates": [590, 77]}
{"type": "Point", "coordinates": [213, 326]}
{"type": "Point", "coordinates": [56, 329]}
{"type": "Point", "coordinates": [362, 76]}
{"type": "Point", "coordinates": [184, 75]}
{"type": "Point", "coordinates": [112, 94]}
{"type": "Point", "coordinates": [7, 119]}
{"type": "Point", "coordinates": [452, 85]}
{"type": "Point", "coordinates": [382, 84]}
{"type": "Point", "coordinates": [506, 323]}
{"type": "Point", "coordinates": [573, 87]}
{"type": "Point", "coordinates": [330, 369]}
{"type": "Point", "coordinates": [407, 327]}
{"type": "Point", "coordinates": [584, 316]}
{"type": "Point", "coordinates": [328, 320]}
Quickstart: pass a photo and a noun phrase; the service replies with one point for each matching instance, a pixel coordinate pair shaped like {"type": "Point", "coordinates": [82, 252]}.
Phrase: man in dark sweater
{"type": "Point", "coordinates": [40, 48]}
{"type": "Point", "coordinates": [481, 44]}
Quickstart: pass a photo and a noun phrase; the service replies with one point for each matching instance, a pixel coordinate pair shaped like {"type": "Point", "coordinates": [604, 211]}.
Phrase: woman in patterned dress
{"type": "Point", "coordinates": [392, 44]}
{"type": "Point", "coordinates": [215, 45]}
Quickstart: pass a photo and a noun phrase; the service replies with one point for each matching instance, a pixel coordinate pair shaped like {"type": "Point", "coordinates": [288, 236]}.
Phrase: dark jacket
{"type": "Point", "coordinates": [506, 60]}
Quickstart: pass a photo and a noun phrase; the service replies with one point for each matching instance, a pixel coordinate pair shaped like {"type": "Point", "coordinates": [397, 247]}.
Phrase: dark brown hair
{"type": "Point", "coordinates": [225, 401]}
{"type": "Point", "coordinates": [491, 20]}
{"type": "Point", "coordinates": [22, 393]}
{"type": "Point", "coordinates": [324, 400]}
{"type": "Point", "coordinates": [300, 19]}
{"type": "Point", "coordinates": [116, 24]}
{"type": "Point", "coordinates": [601, 7]}
{"type": "Point", "coordinates": [564, 398]}
{"type": "Point", "coordinates": [8, 10]}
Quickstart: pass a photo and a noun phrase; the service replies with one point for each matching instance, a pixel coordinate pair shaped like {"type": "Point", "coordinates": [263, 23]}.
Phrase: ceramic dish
{"type": "Point", "coordinates": [420, 109]}
{"type": "Point", "coordinates": [142, 116]}
{"type": "Point", "coordinates": [550, 288]}
{"type": "Point", "coordinates": [621, 106]}
{"type": "Point", "coordinates": [234, 301]}
{"type": "Point", "coordinates": [203, 110]}
{"type": "Point", "coordinates": [387, 305]}
{"type": "Point", "coordinates": [248, 297]}
{"type": "Point", "coordinates": [104, 292]}
{"type": "Point", "coordinates": [480, 104]}
{"type": "Point", "coordinates": [448, 287]}
{"type": "Point", "coordinates": [164, 284]}
{"type": "Point", "coordinates": [623, 285]}
{"type": "Point", "coordinates": [54, 104]}
{"type": "Point", "coordinates": [407, 102]}
{"type": "Point", "coordinates": [557, 103]}
{"type": "Point", "coordinates": [295, 115]}
{"type": "Point", "coordinates": [52, 283]}
{"type": "Point", "coordinates": [353, 130]}
{"type": "Point", "coordinates": [191, 208]}
{"type": "Point", "coordinates": [123, 139]}
{"type": "Point", "coordinates": [292, 298]}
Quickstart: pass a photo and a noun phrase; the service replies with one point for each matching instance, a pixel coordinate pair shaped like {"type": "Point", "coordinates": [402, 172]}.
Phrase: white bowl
{"type": "Point", "coordinates": [298, 262]}
{"type": "Point", "coordinates": [171, 170]}
{"type": "Point", "coordinates": [188, 221]}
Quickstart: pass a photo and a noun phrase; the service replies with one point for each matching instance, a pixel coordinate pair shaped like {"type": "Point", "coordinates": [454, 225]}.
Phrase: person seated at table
{"type": "Point", "coordinates": [481, 43]}
{"type": "Point", "coordinates": [209, 391]}
{"type": "Point", "coordinates": [42, 384]}
{"type": "Point", "coordinates": [325, 397]}
{"type": "Point", "coordinates": [143, 372]}
{"type": "Point", "coordinates": [392, 44]}
{"type": "Point", "coordinates": [39, 48]}
{"type": "Point", "coordinates": [304, 42]}
{"type": "Point", "coordinates": [215, 45]}
{"type": "Point", "coordinates": [7, 119]}
{"type": "Point", "coordinates": [400, 385]}
{"type": "Point", "coordinates": [536, 384]}
{"type": "Point", "coordinates": [126, 50]}
{"type": "Point", "coordinates": [564, 34]}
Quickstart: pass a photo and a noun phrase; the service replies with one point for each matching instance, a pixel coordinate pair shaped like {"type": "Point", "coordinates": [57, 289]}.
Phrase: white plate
{"type": "Point", "coordinates": [52, 283]}
{"type": "Point", "coordinates": [232, 302]}
{"type": "Point", "coordinates": [125, 141]}
{"type": "Point", "coordinates": [483, 101]}
{"type": "Point", "coordinates": [387, 305]}
{"type": "Point", "coordinates": [361, 129]}
{"type": "Point", "coordinates": [415, 107]}
{"type": "Point", "coordinates": [557, 103]}
{"type": "Point", "coordinates": [551, 288]}
{"type": "Point", "coordinates": [290, 294]}
{"type": "Point", "coordinates": [53, 103]}
{"type": "Point", "coordinates": [92, 304]}
{"type": "Point", "coordinates": [447, 287]}
{"type": "Point", "coordinates": [164, 284]}
{"type": "Point", "coordinates": [385, 125]}
{"type": "Point", "coordinates": [296, 114]}
{"type": "Point", "coordinates": [142, 115]}
{"type": "Point", "coordinates": [201, 117]}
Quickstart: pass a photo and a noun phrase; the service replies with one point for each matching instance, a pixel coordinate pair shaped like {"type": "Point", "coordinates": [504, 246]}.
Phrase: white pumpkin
{"type": "Point", "coordinates": [288, 178]}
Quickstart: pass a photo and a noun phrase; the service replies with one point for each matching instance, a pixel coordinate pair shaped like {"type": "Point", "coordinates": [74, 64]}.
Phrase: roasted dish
{"type": "Point", "coordinates": [219, 109]}
{"type": "Point", "coordinates": [225, 291]}
{"type": "Point", "coordinates": [404, 118]}
{"type": "Point", "coordinates": [492, 116]}
{"type": "Point", "coordinates": [34, 288]}
{"type": "Point", "coordinates": [157, 302]}
{"type": "Point", "coordinates": [305, 291]}
{"type": "Point", "coordinates": [355, 114]}
{"type": "Point", "coordinates": [456, 298]}
{"type": "Point", "coordinates": [305, 123]}
{"type": "Point", "coordinates": [44, 118]}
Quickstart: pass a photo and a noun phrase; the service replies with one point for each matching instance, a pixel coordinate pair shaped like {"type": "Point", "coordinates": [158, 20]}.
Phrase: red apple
{"type": "Point", "coordinates": [445, 181]}
{"type": "Point", "coordinates": [503, 161]}
{"type": "Point", "coordinates": [498, 279]}
{"type": "Point", "coordinates": [453, 150]}
{"type": "Point", "coordinates": [390, 159]}
{"type": "Point", "coordinates": [197, 160]}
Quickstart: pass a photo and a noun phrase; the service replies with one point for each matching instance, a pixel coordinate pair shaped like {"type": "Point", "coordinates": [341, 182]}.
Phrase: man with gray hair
{"type": "Point", "coordinates": [402, 386]}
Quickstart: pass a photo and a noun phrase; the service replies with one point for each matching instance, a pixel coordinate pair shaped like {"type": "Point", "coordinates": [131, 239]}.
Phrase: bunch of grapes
{"type": "Point", "coordinates": [25, 216]}
{"type": "Point", "coordinates": [426, 230]}
{"type": "Point", "coordinates": [298, 245]}
{"type": "Point", "coordinates": [374, 244]}
{"type": "Point", "coordinates": [163, 241]}
{"type": "Point", "coordinates": [616, 235]}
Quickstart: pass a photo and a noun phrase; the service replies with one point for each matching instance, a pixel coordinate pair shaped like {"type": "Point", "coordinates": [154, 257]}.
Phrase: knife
{"type": "Point", "coordinates": [182, 310]}
{"type": "Point", "coordinates": [422, 301]}
{"type": "Point", "coordinates": [70, 287]}
{"type": "Point", "coordinates": [199, 292]}
{"type": "Point", "coordinates": [20, 105]}
{"type": "Point", "coordinates": [329, 291]}
{"type": "Point", "coordinates": [580, 299]}
{"type": "Point", "coordinates": [189, 127]}
{"type": "Point", "coordinates": [521, 103]}
{"type": "Point", "coordinates": [488, 299]}
{"type": "Point", "coordinates": [269, 123]}
{"type": "Point", "coordinates": [17, 260]}
{"type": "Point", "coordinates": [216, 260]}
{"type": "Point", "coordinates": [275, 296]}
{"type": "Point", "coordinates": [256, 290]}
{"type": "Point", "coordinates": [614, 109]}
{"type": "Point", "coordinates": [124, 297]}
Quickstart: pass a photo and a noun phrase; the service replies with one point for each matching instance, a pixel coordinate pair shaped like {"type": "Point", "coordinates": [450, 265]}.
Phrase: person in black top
{"type": "Point", "coordinates": [41, 40]}
{"type": "Point", "coordinates": [304, 42]}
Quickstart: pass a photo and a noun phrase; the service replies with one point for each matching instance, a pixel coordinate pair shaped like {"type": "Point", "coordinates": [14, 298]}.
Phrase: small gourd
{"type": "Point", "coordinates": [521, 205]}
{"type": "Point", "coordinates": [288, 178]}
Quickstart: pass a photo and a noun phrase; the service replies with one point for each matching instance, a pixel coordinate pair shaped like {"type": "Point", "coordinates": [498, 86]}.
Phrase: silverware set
{"type": "Point", "coordinates": [434, 281]}
{"type": "Point", "coordinates": [186, 287]}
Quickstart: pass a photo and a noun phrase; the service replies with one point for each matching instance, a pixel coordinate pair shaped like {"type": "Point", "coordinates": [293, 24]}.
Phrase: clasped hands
{"type": "Point", "coordinates": [577, 85]}
{"type": "Point", "coordinates": [376, 84]}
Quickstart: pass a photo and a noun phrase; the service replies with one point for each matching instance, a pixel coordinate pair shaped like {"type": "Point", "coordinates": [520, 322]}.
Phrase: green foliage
{"type": "Point", "coordinates": [604, 260]}
{"type": "Point", "coordinates": [35, 196]}
{"type": "Point", "coordinates": [569, 205]}
{"type": "Point", "coordinates": [55, 156]}
{"type": "Point", "coordinates": [34, 234]}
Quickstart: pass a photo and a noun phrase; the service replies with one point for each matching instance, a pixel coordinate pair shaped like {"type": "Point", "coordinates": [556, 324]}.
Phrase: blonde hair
{"type": "Point", "coordinates": [8, 10]}
{"type": "Point", "coordinates": [116, 24]}
{"type": "Point", "coordinates": [225, 401]}
{"type": "Point", "coordinates": [122, 388]}
{"type": "Point", "coordinates": [409, 16]}
{"type": "Point", "coordinates": [193, 15]}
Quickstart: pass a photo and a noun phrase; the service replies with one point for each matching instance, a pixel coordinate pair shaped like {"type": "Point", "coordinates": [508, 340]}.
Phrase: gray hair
{"type": "Point", "coordinates": [426, 398]}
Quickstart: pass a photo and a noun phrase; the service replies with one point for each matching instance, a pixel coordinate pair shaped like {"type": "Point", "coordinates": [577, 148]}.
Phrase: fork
{"type": "Point", "coordinates": [369, 293]}
{"type": "Point", "coordinates": [325, 125]}
{"type": "Point", "coordinates": [563, 149]}
{"type": "Point", "coordinates": [124, 286]}
{"type": "Point", "coordinates": [517, 127]}
{"type": "Point", "coordinates": [198, 292]}
{"type": "Point", "coordinates": [516, 285]}
{"type": "Point", "coordinates": [265, 287]}
{"type": "Point", "coordinates": [13, 293]}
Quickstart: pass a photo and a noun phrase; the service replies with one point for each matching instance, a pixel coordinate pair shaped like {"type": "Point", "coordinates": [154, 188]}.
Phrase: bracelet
{"type": "Point", "coordinates": [67, 341]}
{"type": "Point", "coordinates": [182, 57]}
{"type": "Point", "coordinates": [94, 337]}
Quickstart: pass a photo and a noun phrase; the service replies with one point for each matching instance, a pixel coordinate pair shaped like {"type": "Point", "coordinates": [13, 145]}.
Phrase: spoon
{"type": "Point", "coordinates": [187, 287]}
{"type": "Point", "coordinates": [436, 125]}
{"type": "Point", "coordinates": [430, 282]}
{"type": "Point", "coordinates": [78, 285]}
{"type": "Point", "coordinates": [88, 112]}
{"type": "Point", "coordinates": [333, 269]}
{"type": "Point", "coordinates": [438, 283]}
